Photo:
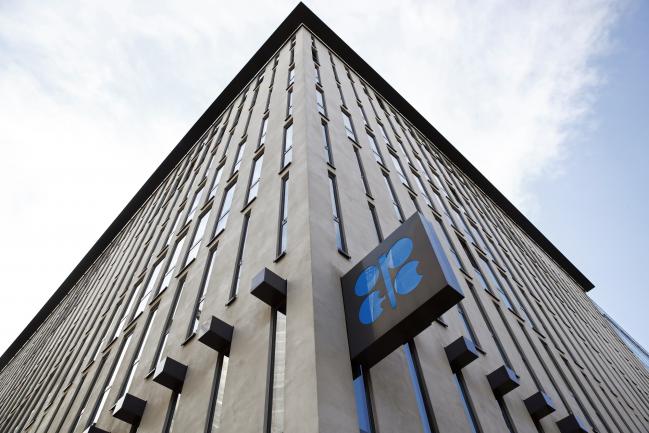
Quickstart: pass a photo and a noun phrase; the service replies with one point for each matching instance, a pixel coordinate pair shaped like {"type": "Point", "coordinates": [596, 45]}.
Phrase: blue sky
{"type": "Point", "coordinates": [547, 98]}
{"type": "Point", "coordinates": [596, 211]}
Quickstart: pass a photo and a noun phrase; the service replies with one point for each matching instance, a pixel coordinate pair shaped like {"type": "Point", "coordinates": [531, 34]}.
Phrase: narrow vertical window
{"type": "Point", "coordinates": [238, 157]}
{"type": "Point", "coordinates": [423, 403]}
{"type": "Point", "coordinates": [195, 245]}
{"type": "Point", "coordinates": [375, 220]}
{"type": "Point", "coordinates": [125, 315]}
{"type": "Point", "coordinates": [337, 218]}
{"type": "Point", "coordinates": [467, 324]}
{"type": "Point", "coordinates": [375, 149]}
{"type": "Point", "coordinates": [171, 266]}
{"type": "Point", "coordinates": [99, 406]}
{"type": "Point", "coordinates": [213, 423]}
{"type": "Point", "coordinates": [277, 361]}
{"type": "Point", "coordinates": [164, 337]}
{"type": "Point", "coordinates": [171, 413]}
{"type": "Point", "coordinates": [361, 169]}
{"type": "Point", "coordinates": [363, 403]}
{"type": "Point", "coordinates": [216, 181]}
{"type": "Point", "coordinates": [174, 228]}
{"type": "Point", "coordinates": [423, 191]}
{"type": "Point", "coordinates": [282, 233]}
{"type": "Point", "coordinates": [467, 405]}
{"type": "Point", "coordinates": [327, 144]}
{"type": "Point", "coordinates": [342, 96]}
{"type": "Point", "coordinates": [362, 110]}
{"type": "Point", "coordinates": [291, 76]}
{"type": "Point", "coordinates": [317, 75]}
{"type": "Point", "coordinates": [146, 292]}
{"type": "Point", "coordinates": [384, 135]}
{"type": "Point", "coordinates": [195, 203]}
{"type": "Point", "coordinates": [200, 299]}
{"type": "Point", "coordinates": [255, 178]}
{"type": "Point", "coordinates": [393, 197]}
{"type": "Point", "coordinates": [320, 101]}
{"type": "Point", "coordinates": [349, 127]}
{"type": "Point", "coordinates": [287, 148]}
{"type": "Point", "coordinates": [236, 277]}
{"type": "Point", "coordinates": [289, 103]}
{"type": "Point", "coordinates": [397, 165]}
{"type": "Point", "coordinates": [225, 209]}
{"type": "Point", "coordinates": [138, 355]}
{"type": "Point", "coordinates": [262, 132]}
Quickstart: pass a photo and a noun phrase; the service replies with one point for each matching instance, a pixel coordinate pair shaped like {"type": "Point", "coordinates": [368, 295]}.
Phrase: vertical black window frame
{"type": "Point", "coordinates": [108, 384]}
{"type": "Point", "coordinates": [215, 408]}
{"type": "Point", "coordinates": [424, 405]}
{"type": "Point", "coordinates": [202, 293]}
{"type": "Point", "coordinates": [320, 101]}
{"type": "Point", "coordinates": [148, 289]}
{"type": "Point", "coordinates": [467, 403]}
{"type": "Point", "coordinates": [289, 102]}
{"type": "Point", "coordinates": [287, 145]}
{"type": "Point", "coordinates": [217, 180]}
{"type": "Point", "coordinates": [349, 125]}
{"type": "Point", "coordinates": [329, 157]}
{"type": "Point", "coordinates": [196, 201]}
{"type": "Point", "coordinates": [137, 357]}
{"type": "Point", "coordinates": [466, 323]}
{"type": "Point", "coordinates": [262, 131]}
{"type": "Point", "coordinates": [86, 397]}
{"type": "Point", "coordinates": [225, 208]}
{"type": "Point", "coordinates": [376, 152]}
{"type": "Point", "coordinates": [375, 221]}
{"type": "Point", "coordinates": [274, 413]}
{"type": "Point", "coordinates": [171, 266]}
{"type": "Point", "coordinates": [282, 232]}
{"type": "Point", "coordinates": [291, 75]}
{"type": "Point", "coordinates": [396, 205]}
{"type": "Point", "coordinates": [363, 397]}
{"type": "Point", "coordinates": [399, 168]}
{"type": "Point", "coordinates": [423, 191]}
{"type": "Point", "coordinates": [238, 157]}
{"type": "Point", "coordinates": [170, 417]}
{"type": "Point", "coordinates": [361, 169]}
{"type": "Point", "coordinates": [255, 178]}
{"type": "Point", "coordinates": [236, 276]}
{"type": "Point", "coordinates": [341, 241]}
{"type": "Point", "coordinates": [316, 76]}
{"type": "Point", "coordinates": [164, 336]}
{"type": "Point", "coordinates": [197, 238]}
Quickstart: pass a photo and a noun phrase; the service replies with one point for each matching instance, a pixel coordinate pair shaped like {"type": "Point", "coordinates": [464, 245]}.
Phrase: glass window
{"type": "Point", "coordinates": [198, 238]}
{"type": "Point", "coordinates": [337, 219]}
{"type": "Point", "coordinates": [289, 103]}
{"type": "Point", "coordinates": [418, 388]}
{"type": "Point", "coordinates": [109, 383]}
{"type": "Point", "coordinates": [320, 102]}
{"type": "Point", "coordinates": [363, 410]}
{"type": "Point", "coordinates": [327, 145]}
{"type": "Point", "coordinates": [287, 151]}
{"type": "Point", "coordinates": [138, 356]}
{"type": "Point", "coordinates": [236, 278]}
{"type": "Point", "coordinates": [200, 300]}
{"type": "Point", "coordinates": [279, 361]}
{"type": "Point", "coordinates": [467, 324]}
{"type": "Point", "coordinates": [384, 135]}
{"type": "Point", "coordinates": [349, 127]}
{"type": "Point", "coordinates": [317, 75]}
{"type": "Point", "coordinates": [375, 149]}
{"type": "Point", "coordinates": [217, 179]}
{"type": "Point", "coordinates": [255, 178]}
{"type": "Point", "coordinates": [171, 267]}
{"type": "Point", "coordinates": [375, 220]}
{"type": "Point", "coordinates": [397, 165]}
{"type": "Point", "coordinates": [195, 203]}
{"type": "Point", "coordinates": [283, 218]}
{"type": "Point", "coordinates": [291, 76]}
{"type": "Point", "coordinates": [239, 157]}
{"type": "Point", "coordinates": [466, 402]}
{"type": "Point", "coordinates": [423, 192]}
{"type": "Point", "coordinates": [361, 169]}
{"type": "Point", "coordinates": [216, 401]}
{"type": "Point", "coordinates": [395, 202]}
{"type": "Point", "coordinates": [225, 209]}
{"type": "Point", "coordinates": [144, 297]}
{"type": "Point", "coordinates": [263, 130]}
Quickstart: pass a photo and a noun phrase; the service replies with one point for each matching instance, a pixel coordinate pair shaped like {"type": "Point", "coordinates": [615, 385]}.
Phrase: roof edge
{"type": "Point", "coordinates": [301, 14]}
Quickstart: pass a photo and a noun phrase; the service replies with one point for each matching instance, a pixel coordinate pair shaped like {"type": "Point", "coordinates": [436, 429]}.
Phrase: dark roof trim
{"type": "Point", "coordinates": [301, 15]}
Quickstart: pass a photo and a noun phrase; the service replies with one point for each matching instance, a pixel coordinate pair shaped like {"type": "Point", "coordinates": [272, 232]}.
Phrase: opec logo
{"type": "Point", "coordinates": [405, 280]}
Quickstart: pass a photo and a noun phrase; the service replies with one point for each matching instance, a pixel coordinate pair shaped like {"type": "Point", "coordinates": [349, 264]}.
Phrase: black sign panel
{"type": "Point", "coordinates": [397, 291]}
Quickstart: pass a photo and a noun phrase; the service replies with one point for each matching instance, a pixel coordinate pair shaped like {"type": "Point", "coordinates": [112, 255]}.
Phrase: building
{"type": "Point", "coordinates": [635, 347]}
{"type": "Point", "coordinates": [301, 166]}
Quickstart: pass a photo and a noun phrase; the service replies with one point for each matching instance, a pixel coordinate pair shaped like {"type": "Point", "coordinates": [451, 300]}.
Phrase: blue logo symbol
{"type": "Point", "coordinates": [405, 281]}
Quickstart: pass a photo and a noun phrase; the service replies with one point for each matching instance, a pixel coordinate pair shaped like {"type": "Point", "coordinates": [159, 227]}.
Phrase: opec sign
{"type": "Point", "coordinates": [397, 290]}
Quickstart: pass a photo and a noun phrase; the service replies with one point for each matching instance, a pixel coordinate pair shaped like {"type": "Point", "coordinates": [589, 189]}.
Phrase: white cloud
{"type": "Point", "coordinates": [94, 95]}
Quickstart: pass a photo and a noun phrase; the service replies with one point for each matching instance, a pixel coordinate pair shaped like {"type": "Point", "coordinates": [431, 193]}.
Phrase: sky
{"type": "Point", "coordinates": [548, 99]}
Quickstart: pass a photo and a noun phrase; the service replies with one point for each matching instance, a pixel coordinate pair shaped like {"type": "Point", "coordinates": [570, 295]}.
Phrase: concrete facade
{"type": "Point", "coordinates": [522, 309]}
